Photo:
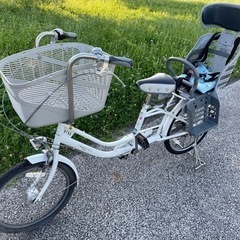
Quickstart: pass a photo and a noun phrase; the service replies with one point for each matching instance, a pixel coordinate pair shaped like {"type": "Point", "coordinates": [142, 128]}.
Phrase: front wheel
{"type": "Point", "coordinates": [20, 186]}
{"type": "Point", "coordinates": [184, 143]}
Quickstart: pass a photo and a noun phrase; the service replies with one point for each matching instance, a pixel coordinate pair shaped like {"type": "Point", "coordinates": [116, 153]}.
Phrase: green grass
{"type": "Point", "coordinates": [148, 31]}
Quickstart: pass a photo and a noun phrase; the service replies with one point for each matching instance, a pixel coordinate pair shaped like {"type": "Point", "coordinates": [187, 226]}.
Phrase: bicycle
{"type": "Point", "coordinates": [58, 83]}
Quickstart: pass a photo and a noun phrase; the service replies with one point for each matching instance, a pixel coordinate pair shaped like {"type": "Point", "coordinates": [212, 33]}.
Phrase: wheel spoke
{"type": "Point", "coordinates": [22, 185]}
{"type": "Point", "coordinates": [182, 144]}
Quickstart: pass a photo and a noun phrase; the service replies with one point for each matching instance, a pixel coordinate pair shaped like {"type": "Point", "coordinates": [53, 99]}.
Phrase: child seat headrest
{"type": "Point", "coordinates": [225, 15]}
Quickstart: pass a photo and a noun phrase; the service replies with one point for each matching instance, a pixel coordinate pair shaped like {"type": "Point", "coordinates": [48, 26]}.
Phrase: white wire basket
{"type": "Point", "coordinates": [36, 84]}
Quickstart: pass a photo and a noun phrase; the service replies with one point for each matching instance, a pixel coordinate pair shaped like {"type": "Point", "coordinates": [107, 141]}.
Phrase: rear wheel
{"type": "Point", "coordinates": [185, 143]}
{"type": "Point", "coordinates": [20, 186]}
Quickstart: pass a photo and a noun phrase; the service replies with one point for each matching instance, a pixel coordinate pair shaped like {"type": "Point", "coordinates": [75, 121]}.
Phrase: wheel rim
{"type": "Point", "coordinates": [182, 142]}
{"type": "Point", "coordinates": [17, 209]}
{"type": "Point", "coordinates": [185, 142]}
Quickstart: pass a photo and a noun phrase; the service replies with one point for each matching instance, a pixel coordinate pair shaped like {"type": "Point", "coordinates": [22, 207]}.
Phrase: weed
{"type": "Point", "coordinates": [148, 31]}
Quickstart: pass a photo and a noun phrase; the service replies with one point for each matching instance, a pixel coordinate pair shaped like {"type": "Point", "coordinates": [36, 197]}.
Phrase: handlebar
{"type": "Point", "coordinates": [121, 61]}
{"type": "Point", "coordinates": [118, 61]}
{"type": "Point", "coordinates": [55, 35]}
{"type": "Point", "coordinates": [63, 35]}
{"type": "Point", "coordinates": [59, 34]}
{"type": "Point", "coordinates": [190, 66]}
{"type": "Point", "coordinates": [98, 56]}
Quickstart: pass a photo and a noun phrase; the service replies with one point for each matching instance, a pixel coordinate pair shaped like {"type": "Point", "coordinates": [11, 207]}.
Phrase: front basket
{"type": "Point", "coordinates": [36, 83]}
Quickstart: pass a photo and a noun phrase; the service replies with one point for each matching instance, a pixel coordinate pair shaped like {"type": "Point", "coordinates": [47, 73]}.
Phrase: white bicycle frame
{"type": "Point", "coordinates": [119, 148]}
{"type": "Point", "coordinates": [126, 144]}
{"type": "Point", "coordinates": [122, 147]}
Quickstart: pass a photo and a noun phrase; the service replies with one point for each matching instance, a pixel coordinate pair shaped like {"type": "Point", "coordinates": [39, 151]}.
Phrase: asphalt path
{"type": "Point", "coordinates": [157, 195]}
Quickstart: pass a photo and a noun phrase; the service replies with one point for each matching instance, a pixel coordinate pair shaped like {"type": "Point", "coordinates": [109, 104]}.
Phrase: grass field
{"type": "Point", "coordinates": [148, 31]}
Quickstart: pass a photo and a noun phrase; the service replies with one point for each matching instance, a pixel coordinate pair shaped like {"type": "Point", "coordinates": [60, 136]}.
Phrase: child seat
{"type": "Point", "coordinates": [214, 56]}
{"type": "Point", "coordinates": [217, 53]}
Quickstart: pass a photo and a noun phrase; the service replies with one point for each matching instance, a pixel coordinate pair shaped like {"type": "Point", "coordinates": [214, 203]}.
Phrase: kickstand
{"type": "Point", "coordinates": [199, 161]}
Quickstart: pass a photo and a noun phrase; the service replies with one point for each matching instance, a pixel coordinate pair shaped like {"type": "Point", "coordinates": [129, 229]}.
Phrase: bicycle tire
{"type": "Point", "coordinates": [18, 212]}
{"type": "Point", "coordinates": [175, 145]}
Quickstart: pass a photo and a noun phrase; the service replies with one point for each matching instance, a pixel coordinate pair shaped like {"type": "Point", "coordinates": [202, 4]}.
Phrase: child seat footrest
{"type": "Point", "coordinates": [203, 113]}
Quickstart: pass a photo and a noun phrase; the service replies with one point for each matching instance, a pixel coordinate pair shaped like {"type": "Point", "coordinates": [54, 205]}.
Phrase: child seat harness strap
{"type": "Point", "coordinates": [209, 77]}
{"type": "Point", "coordinates": [236, 44]}
{"type": "Point", "coordinates": [203, 55]}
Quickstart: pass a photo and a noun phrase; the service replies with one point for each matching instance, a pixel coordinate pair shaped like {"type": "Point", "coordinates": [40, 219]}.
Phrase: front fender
{"type": "Point", "coordinates": [42, 158]}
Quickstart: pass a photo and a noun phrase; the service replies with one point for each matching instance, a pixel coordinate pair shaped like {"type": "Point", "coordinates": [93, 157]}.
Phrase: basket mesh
{"type": "Point", "coordinates": [36, 84]}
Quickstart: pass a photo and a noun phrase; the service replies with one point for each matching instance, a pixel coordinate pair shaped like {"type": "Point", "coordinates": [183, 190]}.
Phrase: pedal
{"type": "Point", "coordinates": [142, 141]}
{"type": "Point", "coordinates": [123, 156]}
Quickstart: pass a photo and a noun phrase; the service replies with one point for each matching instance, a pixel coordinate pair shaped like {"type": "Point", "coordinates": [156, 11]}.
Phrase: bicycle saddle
{"type": "Point", "coordinates": [156, 84]}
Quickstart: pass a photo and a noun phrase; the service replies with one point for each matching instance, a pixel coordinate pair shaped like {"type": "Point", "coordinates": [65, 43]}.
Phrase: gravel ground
{"type": "Point", "coordinates": [158, 195]}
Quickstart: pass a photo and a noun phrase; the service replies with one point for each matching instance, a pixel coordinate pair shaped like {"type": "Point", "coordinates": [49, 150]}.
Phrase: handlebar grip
{"type": "Point", "coordinates": [121, 61]}
{"type": "Point", "coordinates": [63, 35]}
{"type": "Point", "coordinates": [69, 35]}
